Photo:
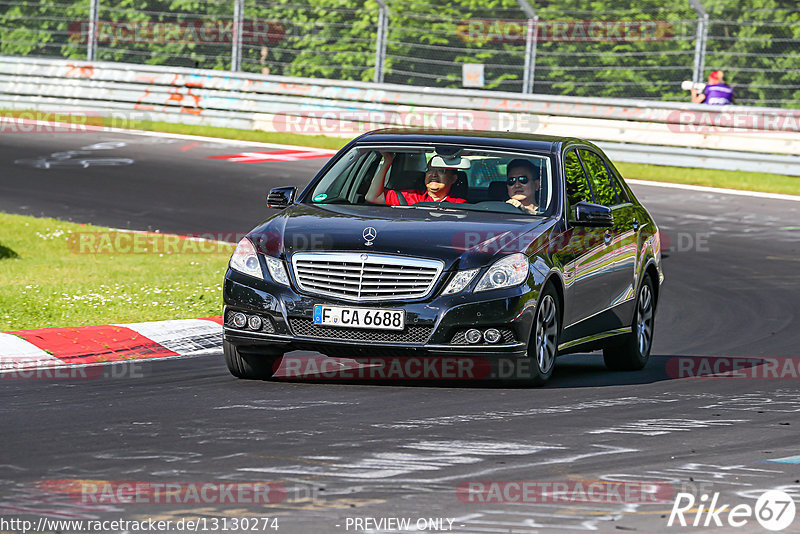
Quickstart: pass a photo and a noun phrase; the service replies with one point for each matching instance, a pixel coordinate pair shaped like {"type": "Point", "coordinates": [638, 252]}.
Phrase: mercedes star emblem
{"type": "Point", "coordinates": [369, 234]}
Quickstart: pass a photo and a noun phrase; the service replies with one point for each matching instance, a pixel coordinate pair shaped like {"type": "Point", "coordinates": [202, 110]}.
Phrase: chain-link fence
{"type": "Point", "coordinates": [760, 53]}
{"type": "Point", "coordinates": [641, 49]}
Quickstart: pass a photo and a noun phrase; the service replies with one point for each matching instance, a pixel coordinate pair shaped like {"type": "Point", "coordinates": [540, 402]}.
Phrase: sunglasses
{"type": "Point", "coordinates": [513, 179]}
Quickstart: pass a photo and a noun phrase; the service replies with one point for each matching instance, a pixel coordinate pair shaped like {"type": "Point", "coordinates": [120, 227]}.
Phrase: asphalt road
{"type": "Point", "coordinates": [347, 452]}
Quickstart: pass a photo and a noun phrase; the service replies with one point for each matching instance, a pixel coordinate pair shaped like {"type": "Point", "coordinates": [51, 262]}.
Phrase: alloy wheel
{"type": "Point", "coordinates": [644, 324]}
{"type": "Point", "coordinates": [546, 334]}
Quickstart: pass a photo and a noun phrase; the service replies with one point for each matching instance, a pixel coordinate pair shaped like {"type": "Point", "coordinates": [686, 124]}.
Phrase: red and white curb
{"type": "Point", "coordinates": [59, 347]}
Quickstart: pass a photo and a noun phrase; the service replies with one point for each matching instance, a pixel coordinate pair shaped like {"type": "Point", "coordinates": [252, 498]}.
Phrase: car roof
{"type": "Point", "coordinates": [509, 140]}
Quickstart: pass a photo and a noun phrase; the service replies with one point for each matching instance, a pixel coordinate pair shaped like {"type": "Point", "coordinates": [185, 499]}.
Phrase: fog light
{"type": "Point", "coordinates": [239, 320]}
{"type": "Point", "coordinates": [492, 335]}
{"type": "Point", "coordinates": [254, 322]}
{"type": "Point", "coordinates": [473, 336]}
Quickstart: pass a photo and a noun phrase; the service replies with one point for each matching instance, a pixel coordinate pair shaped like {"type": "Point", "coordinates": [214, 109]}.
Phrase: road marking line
{"type": "Point", "coordinates": [718, 190]}
{"type": "Point", "coordinates": [787, 460]}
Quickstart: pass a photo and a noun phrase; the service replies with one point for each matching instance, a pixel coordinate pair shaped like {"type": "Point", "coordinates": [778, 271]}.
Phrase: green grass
{"type": "Point", "coordinates": [747, 181]}
{"type": "Point", "coordinates": [46, 281]}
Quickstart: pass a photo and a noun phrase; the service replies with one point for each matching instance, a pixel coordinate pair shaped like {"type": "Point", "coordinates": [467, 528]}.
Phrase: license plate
{"type": "Point", "coordinates": [374, 318]}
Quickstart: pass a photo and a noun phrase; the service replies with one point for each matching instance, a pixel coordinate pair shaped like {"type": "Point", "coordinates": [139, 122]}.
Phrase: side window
{"type": "Point", "coordinates": [622, 195]}
{"type": "Point", "coordinates": [602, 186]}
{"type": "Point", "coordinates": [575, 181]}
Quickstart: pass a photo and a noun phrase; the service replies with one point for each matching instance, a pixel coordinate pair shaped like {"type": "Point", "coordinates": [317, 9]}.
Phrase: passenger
{"type": "Point", "coordinates": [438, 181]}
{"type": "Point", "coordinates": [523, 182]}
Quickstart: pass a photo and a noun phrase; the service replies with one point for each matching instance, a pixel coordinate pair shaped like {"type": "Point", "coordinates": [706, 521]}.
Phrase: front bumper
{"type": "Point", "coordinates": [434, 326]}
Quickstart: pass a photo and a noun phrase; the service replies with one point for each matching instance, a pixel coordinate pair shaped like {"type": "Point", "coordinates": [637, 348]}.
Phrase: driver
{"type": "Point", "coordinates": [438, 181]}
{"type": "Point", "coordinates": [522, 183]}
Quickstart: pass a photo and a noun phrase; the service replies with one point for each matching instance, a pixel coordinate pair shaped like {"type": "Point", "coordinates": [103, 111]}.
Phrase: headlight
{"type": "Point", "coordinates": [277, 271]}
{"type": "Point", "coordinates": [460, 281]}
{"type": "Point", "coordinates": [507, 272]}
{"type": "Point", "coordinates": [245, 260]}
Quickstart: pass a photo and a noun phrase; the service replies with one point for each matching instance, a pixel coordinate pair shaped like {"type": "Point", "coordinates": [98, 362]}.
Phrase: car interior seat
{"type": "Point", "coordinates": [460, 188]}
{"type": "Point", "coordinates": [407, 172]}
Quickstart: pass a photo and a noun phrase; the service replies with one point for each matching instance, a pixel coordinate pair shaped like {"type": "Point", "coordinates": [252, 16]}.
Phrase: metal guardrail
{"type": "Point", "coordinates": [766, 140]}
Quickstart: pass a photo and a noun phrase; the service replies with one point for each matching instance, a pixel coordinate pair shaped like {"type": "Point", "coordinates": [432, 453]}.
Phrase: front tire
{"type": "Point", "coordinates": [543, 343]}
{"type": "Point", "coordinates": [633, 352]}
{"type": "Point", "coordinates": [250, 366]}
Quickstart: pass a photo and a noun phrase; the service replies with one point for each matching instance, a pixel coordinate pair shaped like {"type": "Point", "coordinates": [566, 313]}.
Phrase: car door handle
{"type": "Point", "coordinates": [635, 225]}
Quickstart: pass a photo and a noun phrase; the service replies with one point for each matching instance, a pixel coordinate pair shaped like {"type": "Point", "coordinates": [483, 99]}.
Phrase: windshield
{"type": "Point", "coordinates": [445, 177]}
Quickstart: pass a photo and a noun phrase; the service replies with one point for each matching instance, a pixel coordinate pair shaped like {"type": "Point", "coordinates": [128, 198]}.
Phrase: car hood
{"type": "Point", "coordinates": [462, 239]}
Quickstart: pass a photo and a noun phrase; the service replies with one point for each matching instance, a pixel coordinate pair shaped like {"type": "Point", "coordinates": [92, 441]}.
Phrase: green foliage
{"type": "Point", "coordinates": [760, 57]}
{"type": "Point", "coordinates": [332, 39]}
{"type": "Point", "coordinates": [754, 41]}
{"type": "Point", "coordinates": [41, 28]}
{"type": "Point", "coordinates": [598, 175]}
{"type": "Point", "coordinates": [576, 184]}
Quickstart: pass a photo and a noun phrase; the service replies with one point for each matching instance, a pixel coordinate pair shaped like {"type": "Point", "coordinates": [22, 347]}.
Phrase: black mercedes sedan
{"type": "Point", "coordinates": [421, 244]}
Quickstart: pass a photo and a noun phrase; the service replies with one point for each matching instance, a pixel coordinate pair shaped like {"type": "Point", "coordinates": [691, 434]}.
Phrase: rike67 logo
{"type": "Point", "coordinates": [774, 510]}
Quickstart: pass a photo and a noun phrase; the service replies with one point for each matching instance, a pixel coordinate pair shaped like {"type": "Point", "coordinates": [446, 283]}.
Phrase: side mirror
{"type": "Point", "coordinates": [589, 214]}
{"type": "Point", "coordinates": [281, 197]}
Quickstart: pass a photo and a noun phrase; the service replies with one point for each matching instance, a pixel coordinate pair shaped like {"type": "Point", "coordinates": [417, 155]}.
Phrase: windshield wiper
{"type": "Point", "coordinates": [433, 206]}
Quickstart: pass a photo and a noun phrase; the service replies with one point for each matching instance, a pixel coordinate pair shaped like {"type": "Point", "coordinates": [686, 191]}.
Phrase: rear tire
{"type": "Point", "coordinates": [633, 352]}
{"type": "Point", "coordinates": [250, 366]}
{"type": "Point", "coordinates": [543, 343]}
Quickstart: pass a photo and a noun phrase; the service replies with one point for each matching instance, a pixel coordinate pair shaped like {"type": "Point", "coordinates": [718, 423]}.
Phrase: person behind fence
{"type": "Point", "coordinates": [522, 183]}
{"type": "Point", "coordinates": [438, 181]}
{"type": "Point", "coordinates": [263, 61]}
{"type": "Point", "coordinates": [716, 93]}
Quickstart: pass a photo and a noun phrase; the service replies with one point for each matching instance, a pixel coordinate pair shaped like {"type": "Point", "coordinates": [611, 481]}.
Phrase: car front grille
{"type": "Point", "coordinates": [365, 277]}
{"type": "Point", "coordinates": [412, 335]}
